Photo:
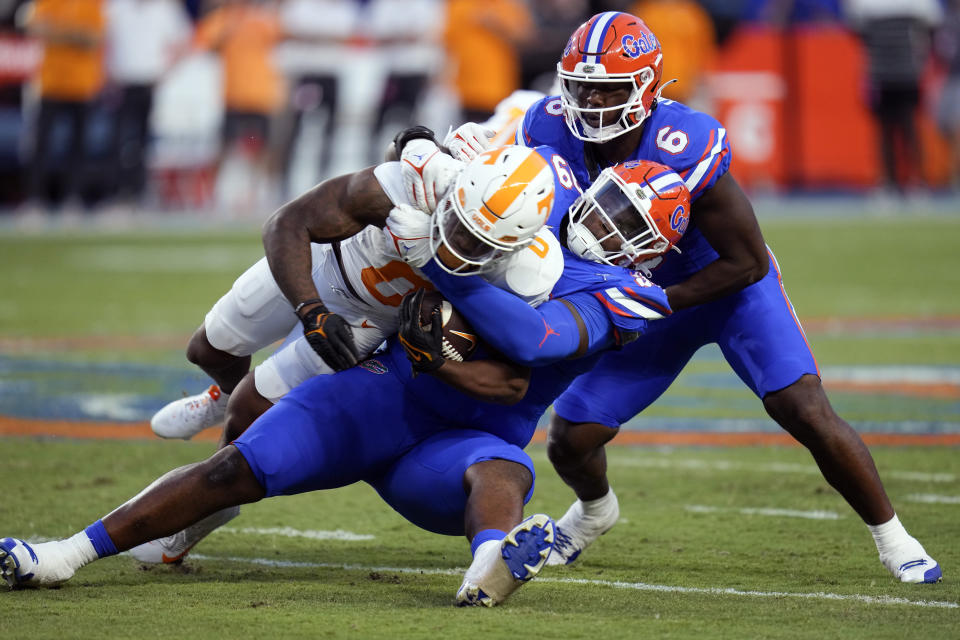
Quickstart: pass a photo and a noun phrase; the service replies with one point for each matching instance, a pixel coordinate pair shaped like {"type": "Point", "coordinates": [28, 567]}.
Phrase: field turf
{"type": "Point", "coordinates": [714, 542]}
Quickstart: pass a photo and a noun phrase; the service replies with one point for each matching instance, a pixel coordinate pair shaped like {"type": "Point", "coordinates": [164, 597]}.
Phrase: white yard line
{"type": "Point", "coordinates": [615, 584]}
{"type": "Point", "coordinates": [932, 498]}
{"type": "Point", "coordinates": [290, 532]}
{"type": "Point", "coordinates": [757, 511]}
{"type": "Point", "coordinates": [668, 462]}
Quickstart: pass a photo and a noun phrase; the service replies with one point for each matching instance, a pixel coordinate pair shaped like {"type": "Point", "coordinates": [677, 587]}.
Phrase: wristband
{"type": "Point", "coordinates": [296, 309]}
{"type": "Point", "coordinates": [412, 133]}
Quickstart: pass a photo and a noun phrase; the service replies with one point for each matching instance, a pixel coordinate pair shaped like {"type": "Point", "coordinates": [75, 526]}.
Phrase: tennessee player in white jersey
{"type": "Point", "coordinates": [509, 114]}
{"type": "Point", "coordinates": [445, 448]}
{"type": "Point", "coordinates": [361, 279]}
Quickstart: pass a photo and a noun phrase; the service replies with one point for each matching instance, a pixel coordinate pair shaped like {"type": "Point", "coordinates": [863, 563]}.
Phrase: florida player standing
{"type": "Point", "coordinates": [724, 287]}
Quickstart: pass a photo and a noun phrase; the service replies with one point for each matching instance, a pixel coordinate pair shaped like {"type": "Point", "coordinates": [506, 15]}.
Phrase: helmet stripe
{"type": "Point", "coordinates": [666, 181]}
{"type": "Point", "coordinates": [597, 35]}
{"type": "Point", "coordinates": [513, 186]}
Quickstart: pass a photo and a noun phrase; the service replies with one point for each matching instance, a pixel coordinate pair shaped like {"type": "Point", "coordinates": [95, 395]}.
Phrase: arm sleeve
{"type": "Point", "coordinates": [529, 336]}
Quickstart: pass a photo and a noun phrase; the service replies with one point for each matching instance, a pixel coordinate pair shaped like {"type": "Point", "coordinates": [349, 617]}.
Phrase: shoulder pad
{"type": "Point", "coordinates": [543, 123]}
{"type": "Point", "coordinates": [531, 273]}
{"type": "Point", "coordinates": [692, 143]}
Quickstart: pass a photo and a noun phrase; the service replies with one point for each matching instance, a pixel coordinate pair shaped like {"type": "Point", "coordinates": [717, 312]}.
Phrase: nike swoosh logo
{"type": "Point", "coordinates": [367, 325]}
{"type": "Point", "coordinates": [168, 560]}
{"type": "Point", "coordinates": [411, 350]}
{"type": "Point", "coordinates": [466, 336]}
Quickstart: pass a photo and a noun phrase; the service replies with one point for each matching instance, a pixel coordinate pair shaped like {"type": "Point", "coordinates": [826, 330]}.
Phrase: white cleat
{"type": "Point", "coordinates": [910, 563]}
{"type": "Point", "coordinates": [174, 548]}
{"type": "Point", "coordinates": [21, 564]}
{"type": "Point", "coordinates": [186, 417]}
{"type": "Point", "coordinates": [499, 570]}
{"type": "Point", "coordinates": [576, 531]}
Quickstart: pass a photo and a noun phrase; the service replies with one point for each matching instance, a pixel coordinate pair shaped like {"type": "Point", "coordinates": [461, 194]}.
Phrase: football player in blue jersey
{"type": "Point", "coordinates": [724, 286]}
{"type": "Point", "coordinates": [445, 449]}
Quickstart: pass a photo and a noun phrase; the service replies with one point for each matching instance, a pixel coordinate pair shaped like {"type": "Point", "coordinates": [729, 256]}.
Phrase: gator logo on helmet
{"type": "Point", "coordinates": [679, 219]}
{"type": "Point", "coordinates": [635, 47]}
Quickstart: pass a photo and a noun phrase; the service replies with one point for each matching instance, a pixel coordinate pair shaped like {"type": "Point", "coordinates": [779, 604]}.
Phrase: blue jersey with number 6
{"type": "Point", "coordinates": [756, 328]}
{"type": "Point", "coordinates": [690, 142]}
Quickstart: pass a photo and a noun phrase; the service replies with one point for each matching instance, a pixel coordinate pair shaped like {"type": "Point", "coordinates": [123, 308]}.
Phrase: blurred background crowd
{"type": "Point", "coordinates": [233, 106]}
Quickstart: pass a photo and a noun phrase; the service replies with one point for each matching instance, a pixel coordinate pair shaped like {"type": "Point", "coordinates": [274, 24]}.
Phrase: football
{"type": "Point", "coordinates": [459, 339]}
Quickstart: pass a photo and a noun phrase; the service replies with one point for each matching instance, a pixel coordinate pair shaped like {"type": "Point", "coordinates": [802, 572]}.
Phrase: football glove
{"type": "Point", "coordinates": [424, 347]}
{"type": "Point", "coordinates": [468, 141]}
{"type": "Point", "coordinates": [427, 172]}
{"type": "Point", "coordinates": [331, 337]}
{"type": "Point", "coordinates": [408, 229]}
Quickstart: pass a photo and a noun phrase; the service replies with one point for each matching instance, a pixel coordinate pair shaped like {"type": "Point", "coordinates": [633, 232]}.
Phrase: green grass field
{"type": "Point", "coordinates": [743, 542]}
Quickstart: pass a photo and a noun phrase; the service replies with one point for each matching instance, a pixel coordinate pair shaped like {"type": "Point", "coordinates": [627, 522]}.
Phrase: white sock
{"type": "Point", "coordinates": [486, 553]}
{"type": "Point", "coordinates": [59, 560]}
{"type": "Point", "coordinates": [601, 507]}
{"type": "Point", "coordinates": [890, 535]}
{"type": "Point", "coordinates": [77, 550]}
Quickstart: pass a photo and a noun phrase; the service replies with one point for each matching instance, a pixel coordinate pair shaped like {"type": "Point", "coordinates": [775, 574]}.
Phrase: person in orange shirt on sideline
{"type": "Point", "coordinates": [482, 38]}
{"type": "Point", "coordinates": [244, 34]}
{"type": "Point", "coordinates": [688, 39]}
{"type": "Point", "coordinates": [69, 79]}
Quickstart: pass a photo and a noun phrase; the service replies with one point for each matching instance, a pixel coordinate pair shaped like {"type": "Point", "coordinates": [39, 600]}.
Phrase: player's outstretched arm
{"type": "Point", "coordinates": [489, 379]}
{"type": "Point", "coordinates": [725, 217]}
{"type": "Point", "coordinates": [526, 335]}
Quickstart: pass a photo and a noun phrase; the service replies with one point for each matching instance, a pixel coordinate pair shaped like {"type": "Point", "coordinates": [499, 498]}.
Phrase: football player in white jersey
{"type": "Point", "coordinates": [349, 305]}
{"type": "Point", "coordinates": [448, 459]}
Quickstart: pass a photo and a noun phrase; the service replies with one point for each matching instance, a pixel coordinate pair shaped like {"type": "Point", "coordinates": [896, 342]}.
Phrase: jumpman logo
{"type": "Point", "coordinates": [548, 332]}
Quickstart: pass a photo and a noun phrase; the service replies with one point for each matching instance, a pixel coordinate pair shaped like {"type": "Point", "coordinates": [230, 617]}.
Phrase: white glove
{"type": "Point", "coordinates": [427, 172]}
{"type": "Point", "coordinates": [408, 229]}
{"type": "Point", "coordinates": [468, 141]}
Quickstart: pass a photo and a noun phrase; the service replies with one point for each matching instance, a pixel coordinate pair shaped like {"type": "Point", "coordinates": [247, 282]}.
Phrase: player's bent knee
{"type": "Point", "coordinates": [498, 474]}
{"type": "Point", "coordinates": [228, 472]}
{"type": "Point", "coordinates": [199, 346]}
{"type": "Point", "coordinates": [245, 406]}
{"type": "Point", "coordinates": [201, 352]}
{"type": "Point", "coordinates": [803, 409]}
{"type": "Point", "coordinates": [571, 442]}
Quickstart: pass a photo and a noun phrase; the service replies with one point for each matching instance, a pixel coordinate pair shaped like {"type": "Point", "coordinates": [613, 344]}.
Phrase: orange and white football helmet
{"type": "Point", "coordinates": [632, 213]}
{"type": "Point", "coordinates": [497, 205]}
{"type": "Point", "coordinates": [610, 48]}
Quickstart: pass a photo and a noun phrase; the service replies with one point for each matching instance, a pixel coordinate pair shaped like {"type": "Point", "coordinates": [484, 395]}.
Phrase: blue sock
{"type": "Point", "coordinates": [102, 543]}
{"type": "Point", "coordinates": [483, 536]}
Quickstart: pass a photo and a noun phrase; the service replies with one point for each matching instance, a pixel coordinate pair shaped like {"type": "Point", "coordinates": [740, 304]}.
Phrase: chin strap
{"type": "Point", "coordinates": [662, 87]}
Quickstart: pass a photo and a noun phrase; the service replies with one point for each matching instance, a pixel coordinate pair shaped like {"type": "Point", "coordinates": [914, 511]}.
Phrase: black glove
{"type": "Point", "coordinates": [331, 337]}
{"type": "Point", "coordinates": [424, 349]}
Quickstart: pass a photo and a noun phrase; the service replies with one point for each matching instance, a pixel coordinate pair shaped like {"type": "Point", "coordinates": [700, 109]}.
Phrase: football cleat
{"type": "Point", "coordinates": [21, 566]}
{"type": "Point", "coordinates": [910, 563]}
{"type": "Point", "coordinates": [497, 572]}
{"type": "Point", "coordinates": [186, 417]}
{"type": "Point", "coordinates": [175, 548]}
{"type": "Point", "coordinates": [576, 531]}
